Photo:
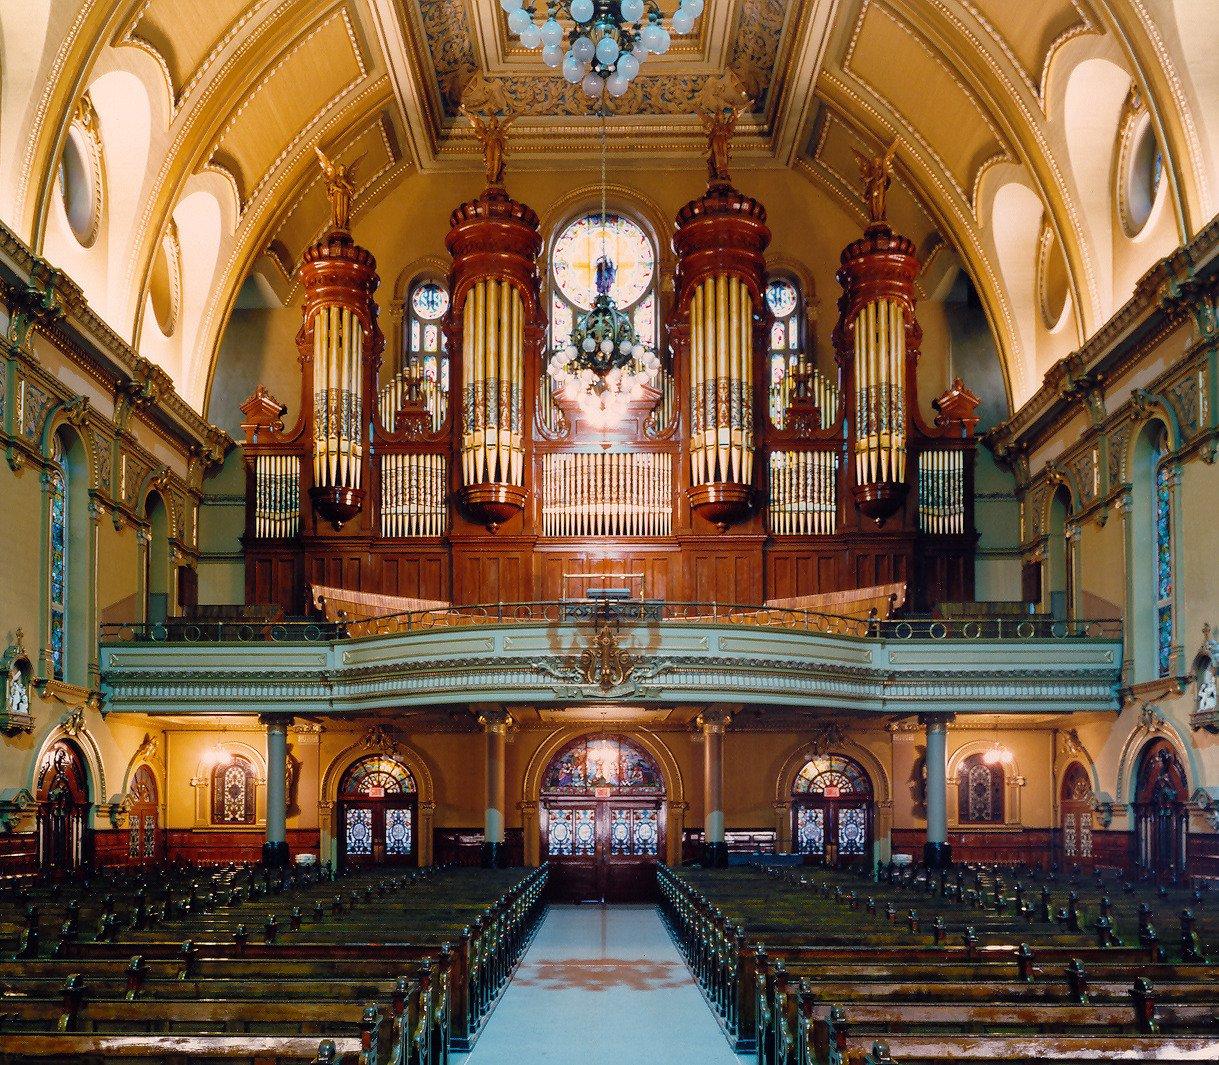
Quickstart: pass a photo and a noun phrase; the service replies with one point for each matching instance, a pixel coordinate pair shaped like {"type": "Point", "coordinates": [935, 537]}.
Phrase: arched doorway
{"type": "Point", "coordinates": [378, 813]}
{"type": "Point", "coordinates": [602, 820]}
{"type": "Point", "coordinates": [1075, 817]}
{"type": "Point", "coordinates": [1160, 818]}
{"type": "Point", "coordinates": [62, 791]}
{"type": "Point", "coordinates": [144, 838]}
{"type": "Point", "coordinates": [833, 810]}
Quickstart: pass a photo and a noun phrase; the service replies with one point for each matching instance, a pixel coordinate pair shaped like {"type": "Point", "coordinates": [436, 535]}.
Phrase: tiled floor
{"type": "Point", "coordinates": [602, 985]}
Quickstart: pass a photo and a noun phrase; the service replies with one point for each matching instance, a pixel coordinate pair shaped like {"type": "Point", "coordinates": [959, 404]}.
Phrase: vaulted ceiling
{"type": "Point", "coordinates": [1015, 120]}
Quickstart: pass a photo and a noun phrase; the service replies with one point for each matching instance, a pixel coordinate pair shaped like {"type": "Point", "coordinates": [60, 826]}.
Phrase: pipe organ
{"type": "Point", "coordinates": [494, 322]}
{"type": "Point", "coordinates": [720, 241]}
{"type": "Point", "coordinates": [718, 482]}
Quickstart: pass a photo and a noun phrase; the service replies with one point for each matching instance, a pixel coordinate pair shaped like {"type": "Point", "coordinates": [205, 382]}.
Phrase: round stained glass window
{"type": "Point", "coordinates": [430, 301]}
{"type": "Point", "coordinates": [781, 297]}
{"type": "Point", "coordinates": [623, 242]}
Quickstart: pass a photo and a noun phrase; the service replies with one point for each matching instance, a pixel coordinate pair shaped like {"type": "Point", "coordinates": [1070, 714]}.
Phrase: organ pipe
{"type": "Point", "coordinates": [721, 391]}
{"type": "Point", "coordinates": [493, 339]}
{"type": "Point", "coordinates": [803, 493]}
{"type": "Point", "coordinates": [880, 393]}
{"type": "Point", "coordinates": [338, 450]}
{"type": "Point", "coordinates": [276, 496]}
{"type": "Point", "coordinates": [607, 493]}
{"type": "Point", "coordinates": [414, 495]}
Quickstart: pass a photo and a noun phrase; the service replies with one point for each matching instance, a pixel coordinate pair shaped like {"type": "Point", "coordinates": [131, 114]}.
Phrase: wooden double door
{"type": "Point", "coordinates": [602, 849]}
{"type": "Point", "coordinates": [378, 831]}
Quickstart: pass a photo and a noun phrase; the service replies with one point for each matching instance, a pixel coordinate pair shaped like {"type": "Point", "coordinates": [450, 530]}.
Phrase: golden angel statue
{"type": "Point", "coordinates": [719, 125]}
{"type": "Point", "coordinates": [340, 188]}
{"type": "Point", "coordinates": [877, 174]}
{"type": "Point", "coordinates": [492, 133]}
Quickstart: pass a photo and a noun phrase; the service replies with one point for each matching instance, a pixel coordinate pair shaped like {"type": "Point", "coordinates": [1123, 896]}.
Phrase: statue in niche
{"type": "Point", "coordinates": [17, 695]}
{"type": "Point", "coordinates": [492, 133]}
{"type": "Point", "coordinates": [719, 125]}
{"type": "Point", "coordinates": [340, 188]}
{"type": "Point", "coordinates": [877, 174]}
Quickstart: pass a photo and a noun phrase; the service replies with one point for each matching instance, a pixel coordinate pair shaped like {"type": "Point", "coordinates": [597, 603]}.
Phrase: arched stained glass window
{"type": "Point", "coordinates": [423, 370]}
{"type": "Point", "coordinates": [377, 777]}
{"type": "Point", "coordinates": [832, 776]}
{"type": "Point", "coordinates": [787, 348]}
{"type": "Point", "coordinates": [980, 787]}
{"type": "Point", "coordinates": [591, 764]}
{"type": "Point", "coordinates": [233, 790]}
{"type": "Point", "coordinates": [58, 577]}
{"type": "Point", "coordinates": [573, 287]}
{"type": "Point", "coordinates": [1163, 558]}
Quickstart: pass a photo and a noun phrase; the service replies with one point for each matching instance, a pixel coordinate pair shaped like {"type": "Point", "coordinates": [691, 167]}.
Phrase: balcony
{"type": "Point", "coordinates": [637, 652]}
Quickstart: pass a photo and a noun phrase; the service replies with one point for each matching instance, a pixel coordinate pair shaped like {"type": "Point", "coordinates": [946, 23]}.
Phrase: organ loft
{"type": "Point", "coordinates": [713, 463]}
{"type": "Point", "coordinates": [520, 516]}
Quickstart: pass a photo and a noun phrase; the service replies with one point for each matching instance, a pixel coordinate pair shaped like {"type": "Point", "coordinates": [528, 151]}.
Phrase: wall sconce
{"type": "Point", "coordinates": [998, 755]}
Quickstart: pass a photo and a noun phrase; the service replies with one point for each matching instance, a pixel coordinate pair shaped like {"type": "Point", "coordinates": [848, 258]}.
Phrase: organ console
{"type": "Point", "coordinates": [716, 483]}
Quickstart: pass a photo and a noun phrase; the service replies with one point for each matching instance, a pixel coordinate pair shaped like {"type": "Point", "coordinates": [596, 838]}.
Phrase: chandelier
{"type": "Point", "coordinates": [607, 41]}
{"type": "Point", "coordinates": [604, 365]}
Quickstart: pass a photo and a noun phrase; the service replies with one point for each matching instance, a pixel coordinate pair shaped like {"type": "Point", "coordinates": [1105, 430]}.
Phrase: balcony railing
{"type": "Point", "coordinates": [1018, 627]}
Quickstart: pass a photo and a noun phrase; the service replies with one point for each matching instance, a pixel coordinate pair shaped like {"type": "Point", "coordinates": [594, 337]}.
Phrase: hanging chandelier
{"type": "Point", "coordinates": [604, 365]}
{"type": "Point", "coordinates": [607, 41]}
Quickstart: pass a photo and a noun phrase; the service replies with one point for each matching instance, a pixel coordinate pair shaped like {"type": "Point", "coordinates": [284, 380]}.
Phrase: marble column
{"type": "Point", "coordinates": [937, 853]}
{"type": "Point", "coordinates": [713, 723]}
{"type": "Point", "coordinates": [495, 725]}
{"type": "Point", "coordinates": [275, 849]}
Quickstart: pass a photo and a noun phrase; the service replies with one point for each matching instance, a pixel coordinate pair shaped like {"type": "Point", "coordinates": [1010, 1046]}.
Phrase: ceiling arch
{"type": "Point", "coordinates": [983, 94]}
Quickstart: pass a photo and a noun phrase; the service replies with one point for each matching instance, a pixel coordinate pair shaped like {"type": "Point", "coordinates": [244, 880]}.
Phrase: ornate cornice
{"type": "Point", "coordinates": [49, 302]}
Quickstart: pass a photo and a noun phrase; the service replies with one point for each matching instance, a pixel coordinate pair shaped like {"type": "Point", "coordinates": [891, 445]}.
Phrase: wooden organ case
{"type": "Point", "coordinates": [509, 493]}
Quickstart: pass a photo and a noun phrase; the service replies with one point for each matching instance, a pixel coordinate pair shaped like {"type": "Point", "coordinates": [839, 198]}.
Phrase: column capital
{"type": "Point", "coordinates": [495, 720]}
{"type": "Point", "coordinates": [932, 720]}
{"type": "Point", "coordinates": [275, 720]}
{"type": "Point", "coordinates": [714, 720]}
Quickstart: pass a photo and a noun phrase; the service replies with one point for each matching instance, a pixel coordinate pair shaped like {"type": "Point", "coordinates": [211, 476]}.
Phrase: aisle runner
{"type": "Point", "coordinates": [602, 985]}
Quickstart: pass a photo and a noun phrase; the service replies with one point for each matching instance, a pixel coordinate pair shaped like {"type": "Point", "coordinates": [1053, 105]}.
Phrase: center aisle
{"type": "Point", "coordinates": [602, 985]}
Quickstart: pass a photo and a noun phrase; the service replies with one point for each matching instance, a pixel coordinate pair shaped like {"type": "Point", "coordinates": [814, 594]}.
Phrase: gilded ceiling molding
{"type": "Point", "coordinates": [1029, 122]}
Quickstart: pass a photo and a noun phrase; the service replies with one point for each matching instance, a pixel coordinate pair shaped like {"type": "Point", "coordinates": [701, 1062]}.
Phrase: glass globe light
{"type": "Point", "coordinates": [511, 5]}
{"type": "Point", "coordinates": [531, 36]}
{"type": "Point", "coordinates": [583, 49]}
{"type": "Point", "coordinates": [628, 66]}
{"type": "Point", "coordinates": [617, 84]}
{"type": "Point", "coordinates": [607, 50]}
{"type": "Point", "coordinates": [552, 56]}
{"type": "Point", "coordinates": [552, 33]}
{"type": "Point", "coordinates": [593, 85]}
{"type": "Point", "coordinates": [581, 10]}
{"type": "Point", "coordinates": [519, 21]}
{"type": "Point", "coordinates": [632, 10]}
{"type": "Point", "coordinates": [573, 69]}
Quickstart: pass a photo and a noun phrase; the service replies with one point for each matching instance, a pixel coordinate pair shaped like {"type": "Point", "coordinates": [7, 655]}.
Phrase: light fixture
{"type": "Point", "coordinates": [604, 365]}
{"type": "Point", "coordinates": [998, 755]}
{"type": "Point", "coordinates": [607, 39]}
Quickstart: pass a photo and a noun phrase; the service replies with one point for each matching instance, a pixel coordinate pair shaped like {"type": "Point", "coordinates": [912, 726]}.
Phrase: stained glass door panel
{"type": "Point", "coordinates": [358, 832]}
{"type": "Point", "coordinates": [398, 832]}
{"type": "Point", "coordinates": [852, 832]}
{"type": "Point", "coordinates": [810, 830]}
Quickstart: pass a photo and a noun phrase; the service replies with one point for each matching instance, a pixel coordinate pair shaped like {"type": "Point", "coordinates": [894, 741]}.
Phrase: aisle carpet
{"type": "Point", "coordinates": [602, 985]}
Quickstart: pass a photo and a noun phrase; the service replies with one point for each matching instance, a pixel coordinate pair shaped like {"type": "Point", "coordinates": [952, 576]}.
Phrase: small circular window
{"type": "Point", "coordinates": [79, 185]}
{"type": "Point", "coordinates": [1053, 291]}
{"type": "Point", "coordinates": [1142, 173]}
